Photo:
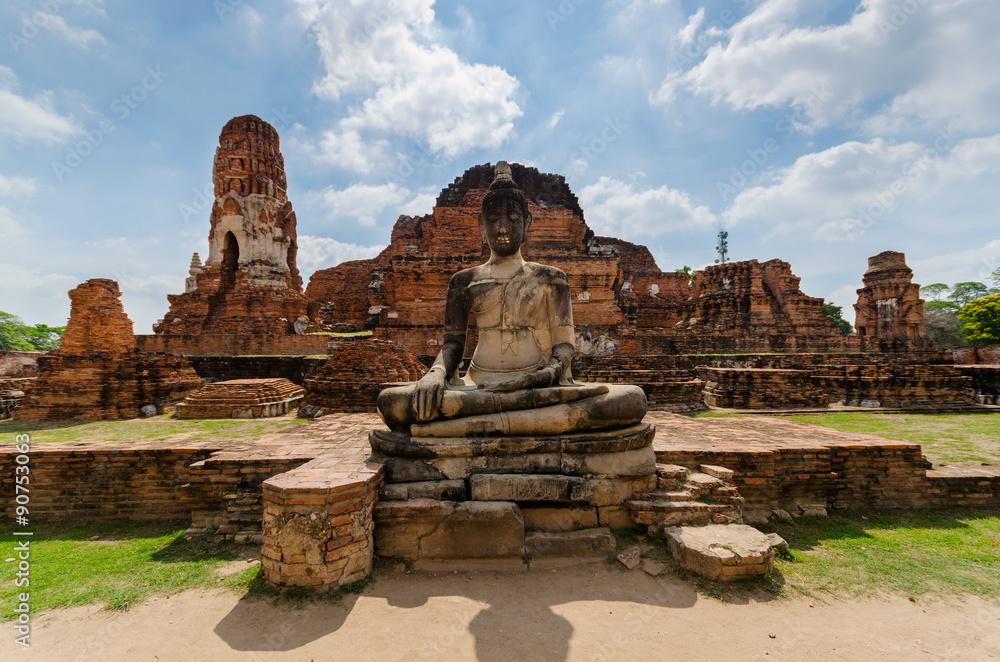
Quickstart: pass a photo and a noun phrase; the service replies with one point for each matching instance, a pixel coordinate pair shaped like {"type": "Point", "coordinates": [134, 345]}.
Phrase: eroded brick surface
{"type": "Point", "coordinates": [97, 372]}
{"type": "Point", "coordinates": [353, 375]}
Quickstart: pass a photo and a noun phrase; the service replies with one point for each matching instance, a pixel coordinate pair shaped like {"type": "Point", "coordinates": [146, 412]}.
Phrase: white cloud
{"type": "Point", "coordinates": [122, 245]}
{"type": "Point", "coordinates": [837, 193]}
{"type": "Point", "coordinates": [556, 116]}
{"type": "Point", "coordinates": [929, 64]}
{"type": "Point", "coordinates": [411, 85]}
{"type": "Point", "coordinates": [35, 296]}
{"type": "Point", "coordinates": [82, 37]}
{"type": "Point", "coordinates": [688, 32]}
{"type": "Point", "coordinates": [10, 229]}
{"type": "Point", "coordinates": [346, 149]}
{"type": "Point", "coordinates": [423, 202]}
{"type": "Point", "coordinates": [30, 118]}
{"type": "Point", "coordinates": [974, 264]}
{"type": "Point", "coordinates": [619, 209]}
{"type": "Point", "coordinates": [322, 252]}
{"type": "Point", "coordinates": [17, 186]}
{"type": "Point", "coordinates": [363, 203]}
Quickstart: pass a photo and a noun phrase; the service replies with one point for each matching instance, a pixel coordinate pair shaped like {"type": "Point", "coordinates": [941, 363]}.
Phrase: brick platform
{"type": "Point", "coordinates": [242, 398]}
{"type": "Point", "coordinates": [279, 481]}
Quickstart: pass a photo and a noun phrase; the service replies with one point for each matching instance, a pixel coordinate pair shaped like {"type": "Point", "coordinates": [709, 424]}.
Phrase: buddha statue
{"type": "Point", "coordinates": [519, 380]}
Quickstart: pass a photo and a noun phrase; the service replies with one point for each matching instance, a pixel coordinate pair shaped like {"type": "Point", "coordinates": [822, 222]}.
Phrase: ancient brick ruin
{"type": "Point", "coordinates": [242, 398]}
{"type": "Point", "coordinates": [889, 307]}
{"type": "Point", "coordinates": [97, 372]}
{"type": "Point", "coordinates": [356, 370]}
{"type": "Point", "coordinates": [622, 302]}
{"type": "Point", "coordinates": [249, 282]}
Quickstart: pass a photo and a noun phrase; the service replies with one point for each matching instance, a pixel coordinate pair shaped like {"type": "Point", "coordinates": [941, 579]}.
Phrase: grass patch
{"type": "Point", "coordinates": [943, 437]}
{"type": "Point", "coordinates": [129, 562]}
{"type": "Point", "coordinates": [156, 428]}
{"type": "Point", "coordinates": [862, 553]}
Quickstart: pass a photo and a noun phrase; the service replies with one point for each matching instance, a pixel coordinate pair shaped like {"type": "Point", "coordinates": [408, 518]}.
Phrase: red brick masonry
{"type": "Point", "coordinates": [313, 493]}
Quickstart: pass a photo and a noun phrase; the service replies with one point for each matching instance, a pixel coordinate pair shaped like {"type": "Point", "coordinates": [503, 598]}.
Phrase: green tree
{"type": "Point", "coordinates": [683, 270]}
{"type": "Point", "coordinates": [968, 291]}
{"type": "Point", "coordinates": [995, 276]}
{"type": "Point", "coordinates": [949, 307]}
{"type": "Point", "coordinates": [833, 313]}
{"type": "Point", "coordinates": [934, 291]}
{"type": "Point", "coordinates": [981, 320]}
{"type": "Point", "coordinates": [941, 324]}
{"type": "Point", "coordinates": [18, 336]}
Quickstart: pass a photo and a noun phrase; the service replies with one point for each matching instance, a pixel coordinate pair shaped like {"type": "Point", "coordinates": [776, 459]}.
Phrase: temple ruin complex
{"type": "Point", "coordinates": [326, 498]}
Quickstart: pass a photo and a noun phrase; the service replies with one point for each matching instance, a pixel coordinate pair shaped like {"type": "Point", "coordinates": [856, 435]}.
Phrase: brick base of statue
{"type": "Point", "coordinates": [511, 499]}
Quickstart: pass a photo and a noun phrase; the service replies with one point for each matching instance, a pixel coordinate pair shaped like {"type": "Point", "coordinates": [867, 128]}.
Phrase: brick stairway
{"type": "Point", "coordinates": [708, 496]}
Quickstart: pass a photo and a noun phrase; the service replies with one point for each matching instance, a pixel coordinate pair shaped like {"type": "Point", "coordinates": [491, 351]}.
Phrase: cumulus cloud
{"type": "Point", "coordinates": [922, 63]}
{"type": "Point", "coordinates": [17, 186]}
{"type": "Point", "coordinates": [363, 203]}
{"type": "Point", "coordinates": [31, 119]}
{"type": "Point", "coordinates": [686, 35]}
{"type": "Point", "coordinates": [620, 209]}
{"type": "Point", "coordinates": [408, 84]}
{"type": "Point", "coordinates": [838, 192]}
{"type": "Point", "coordinates": [323, 252]}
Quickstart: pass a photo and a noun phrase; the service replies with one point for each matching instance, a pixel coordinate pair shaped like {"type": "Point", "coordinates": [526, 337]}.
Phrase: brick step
{"type": "Point", "coordinates": [662, 512]}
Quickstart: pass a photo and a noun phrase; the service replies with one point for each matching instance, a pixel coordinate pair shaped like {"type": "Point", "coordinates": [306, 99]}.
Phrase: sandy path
{"type": "Point", "coordinates": [591, 612]}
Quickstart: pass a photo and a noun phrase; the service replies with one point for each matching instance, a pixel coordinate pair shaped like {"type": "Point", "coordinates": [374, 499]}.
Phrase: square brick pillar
{"type": "Point", "coordinates": [318, 526]}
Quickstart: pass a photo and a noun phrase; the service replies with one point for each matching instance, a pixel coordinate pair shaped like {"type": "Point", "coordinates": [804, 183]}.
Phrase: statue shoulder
{"type": "Point", "coordinates": [462, 278]}
{"type": "Point", "coordinates": [546, 273]}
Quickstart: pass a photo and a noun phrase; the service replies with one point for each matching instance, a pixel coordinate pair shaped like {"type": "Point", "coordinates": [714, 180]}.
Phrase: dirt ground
{"type": "Point", "coordinates": [588, 612]}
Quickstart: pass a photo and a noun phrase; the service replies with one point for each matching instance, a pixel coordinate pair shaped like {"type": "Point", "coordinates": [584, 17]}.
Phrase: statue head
{"type": "Point", "coordinates": [505, 217]}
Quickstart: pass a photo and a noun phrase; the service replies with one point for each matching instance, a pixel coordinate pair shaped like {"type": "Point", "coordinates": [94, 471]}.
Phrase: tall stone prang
{"type": "Point", "coordinates": [249, 282]}
{"type": "Point", "coordinates": [97, 372]}
{"type": "Point", "coordinates": [889, 308]}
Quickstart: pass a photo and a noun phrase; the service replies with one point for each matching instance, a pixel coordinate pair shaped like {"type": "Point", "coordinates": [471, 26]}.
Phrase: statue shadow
{"type": "Point", "coordinates": [520, 615]}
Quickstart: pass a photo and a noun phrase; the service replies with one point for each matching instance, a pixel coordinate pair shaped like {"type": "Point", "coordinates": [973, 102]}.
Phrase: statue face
{"type": "Point", "coordinates": [504, 226]}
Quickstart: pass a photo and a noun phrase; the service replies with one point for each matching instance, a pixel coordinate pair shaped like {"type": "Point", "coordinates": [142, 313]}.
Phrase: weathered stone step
{"type": "Point", "coordinates": [587, 542]}
{"type": "Point", "coordinates": [659, 513]}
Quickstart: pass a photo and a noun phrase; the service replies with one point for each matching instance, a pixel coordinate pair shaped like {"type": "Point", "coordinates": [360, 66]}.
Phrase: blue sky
{"type": "Point", "coordinates": [818, 133]}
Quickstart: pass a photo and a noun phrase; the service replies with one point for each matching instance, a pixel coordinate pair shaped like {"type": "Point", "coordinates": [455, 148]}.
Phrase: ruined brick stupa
{"type": "Point", "coordinates": [889, 306]}
{"type": "Point", "coordinates": [249, 282]}
{"type": "Point", "coordinates": [98, 372]}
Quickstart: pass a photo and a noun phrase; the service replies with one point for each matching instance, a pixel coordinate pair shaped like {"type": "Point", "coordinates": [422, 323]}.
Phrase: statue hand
{"type": "Point", "coordinates": [539, 379]}
{"type": "Point", "coordinates": [428, 395]}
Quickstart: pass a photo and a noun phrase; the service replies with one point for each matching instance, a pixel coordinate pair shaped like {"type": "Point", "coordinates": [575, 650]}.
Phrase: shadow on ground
{"type": "Point", "coordinates": [518, 615]}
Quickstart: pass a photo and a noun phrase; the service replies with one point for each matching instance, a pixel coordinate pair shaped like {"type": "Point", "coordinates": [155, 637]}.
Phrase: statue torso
{"type": "Point", "coordinates": [516, 317]}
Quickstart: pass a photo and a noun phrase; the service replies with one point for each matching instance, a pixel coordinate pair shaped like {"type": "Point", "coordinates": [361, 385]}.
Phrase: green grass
{"type": "Point", "coordinates": [157, 428]}
{"type": "Point", "coordinates": [943, 437]}
{"type": "Point", "coordinates": [861, 553]}
{"type": "Point", "coordinates": [129, 562]}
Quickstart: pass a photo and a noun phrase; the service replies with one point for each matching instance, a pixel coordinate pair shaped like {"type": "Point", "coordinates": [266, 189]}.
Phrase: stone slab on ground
{"type": "Point", "coordinates": [721, 552]}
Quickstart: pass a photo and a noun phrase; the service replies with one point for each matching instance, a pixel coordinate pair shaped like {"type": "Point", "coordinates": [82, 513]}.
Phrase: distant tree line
{"type": "Point", "coordinates": [18, 336]}
{"type": "Point", "coordinates": [963, 314]}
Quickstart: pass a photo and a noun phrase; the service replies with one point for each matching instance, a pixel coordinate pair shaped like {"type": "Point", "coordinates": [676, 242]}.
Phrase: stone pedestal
{"type": "Point", "coordinates": [513, 498]}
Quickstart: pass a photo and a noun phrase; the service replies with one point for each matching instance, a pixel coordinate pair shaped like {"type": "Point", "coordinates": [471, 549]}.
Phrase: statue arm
{"type": "Point", "coordinates": [429, 391]}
